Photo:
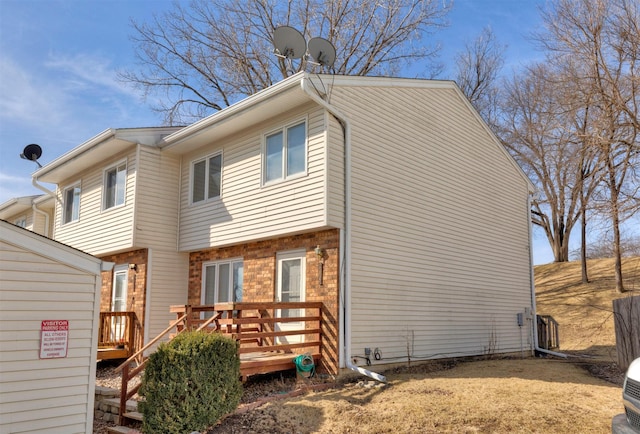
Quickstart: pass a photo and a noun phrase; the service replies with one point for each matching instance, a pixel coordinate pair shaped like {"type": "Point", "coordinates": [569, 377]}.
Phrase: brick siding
{"type": "Point", "coordinates": [259, 279]}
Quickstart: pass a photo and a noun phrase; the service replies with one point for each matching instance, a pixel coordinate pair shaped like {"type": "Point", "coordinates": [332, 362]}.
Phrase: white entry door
{"type": "Point", "coordinates": [119, 301]}
{"type": "Point", "coordinates": [290, 288]}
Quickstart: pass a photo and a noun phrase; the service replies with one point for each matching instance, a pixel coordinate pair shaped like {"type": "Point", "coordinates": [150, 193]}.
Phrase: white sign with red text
{"type": "Point", "coordinates": [54, 338]}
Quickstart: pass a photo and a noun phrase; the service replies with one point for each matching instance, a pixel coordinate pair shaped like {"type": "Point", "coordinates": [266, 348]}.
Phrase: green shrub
{"type": "Point", "coordinates": [190, 383]}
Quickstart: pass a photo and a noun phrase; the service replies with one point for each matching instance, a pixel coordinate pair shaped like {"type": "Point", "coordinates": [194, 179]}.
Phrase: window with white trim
{"type": "Point", "coordinates": [222, 281]}
{"type": "Point", "coordinates": [71, 203]}
{"type": "Point", "coordinates": [22, 222]}
{"type": "Point", "coordinates": [285, 153]}
{"type": "Point", "coordinates": [115, 184]}
{"type": "Point", "coordinates": [206, 178]}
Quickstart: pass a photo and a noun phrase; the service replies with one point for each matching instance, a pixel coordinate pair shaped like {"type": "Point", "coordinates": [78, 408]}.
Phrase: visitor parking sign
{"type": "Point", "coordinates": [54, 338]}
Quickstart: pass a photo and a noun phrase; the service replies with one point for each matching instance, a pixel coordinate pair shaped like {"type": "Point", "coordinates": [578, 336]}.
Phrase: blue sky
{"type": "Point", "coordinates": [58, 63]}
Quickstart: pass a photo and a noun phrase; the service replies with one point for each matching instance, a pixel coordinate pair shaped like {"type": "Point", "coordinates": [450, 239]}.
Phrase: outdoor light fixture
{"type": "Point", "coordinates": [320, 254]}
{"type": "Point", "coordinates": [133, 267]}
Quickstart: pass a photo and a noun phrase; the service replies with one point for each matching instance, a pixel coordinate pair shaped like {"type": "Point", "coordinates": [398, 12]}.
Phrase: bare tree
{"type": "Point", "coordinates": [539, 133]}
{"type": "Point", "coordinates": [477, 71]}
{"type": "Point", "coordinates": [603, 35]}
{"type": "Point", "coordinates": [202, 57]}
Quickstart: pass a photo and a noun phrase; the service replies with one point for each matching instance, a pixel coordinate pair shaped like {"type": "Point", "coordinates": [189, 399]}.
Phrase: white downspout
{"type": "Point", "coordinates": [533, 290]}
{"type": "Point", "coordinates": [34, 182]}
{"type": "Point", "coordinates": [46, 218]}
{"type": "Point", "coordinates": [345, 241]}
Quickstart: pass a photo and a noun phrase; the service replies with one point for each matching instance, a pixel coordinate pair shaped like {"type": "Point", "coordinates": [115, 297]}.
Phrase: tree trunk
{"type": "Point", "coordinates": [617, 253]}
{"type": "Point", "coordinates": [583, 247]}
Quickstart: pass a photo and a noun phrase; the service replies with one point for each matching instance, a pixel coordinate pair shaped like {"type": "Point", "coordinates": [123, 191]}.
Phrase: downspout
{"type": "Point", "coordinates": [34, 182]}
{"type": "Point", "coordinates": [46, 218]}
{"type": "Point", "coordinates": [533, 290]}
{"type": "Point", "coordinates": [345, 241]}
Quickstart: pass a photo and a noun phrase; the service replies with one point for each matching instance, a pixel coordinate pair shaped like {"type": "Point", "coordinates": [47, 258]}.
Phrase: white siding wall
{"type": "Point", "coordinates": [99, 231]}
{"type": "Point", "coordinates": [439, 227]}
{"type": "Point", "coordinates": [248, 211]}
{"type": "Point", "coordinates": [36, 222]}
{"type": "Point", "coordinates": [46, 395]}
{"type": "Point", "coordinates": [156, 221]}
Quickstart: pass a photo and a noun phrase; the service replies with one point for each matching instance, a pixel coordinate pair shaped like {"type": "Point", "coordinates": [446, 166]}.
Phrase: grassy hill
{"type": "Point", "coordinates": [584, 311]}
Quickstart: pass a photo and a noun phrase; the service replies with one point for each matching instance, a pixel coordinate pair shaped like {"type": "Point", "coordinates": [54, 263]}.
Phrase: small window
{"type": "Point", "coordinates": [22, 222]}
{"type": "Point", "coordinates": [206, 178]}
{"type": "Point", "coordinates": [115, 180]}
{"type": "Point", "coordinates": [285, 153]}
{"type": "Point", "coordinates": [71, 204]}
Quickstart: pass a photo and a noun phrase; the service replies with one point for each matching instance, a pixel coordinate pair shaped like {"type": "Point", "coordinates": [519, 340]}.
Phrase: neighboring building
{"type": "Point", "coordinates": [48, 334]}
{"type": "Point", "coordinates": [117, 199]}
{"type": "Point", "coordinates": [34, 213]}
{"type": "Point", "coordinates": [363, 193]}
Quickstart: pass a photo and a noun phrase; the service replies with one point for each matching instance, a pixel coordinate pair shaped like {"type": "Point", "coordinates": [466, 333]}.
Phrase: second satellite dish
{"type": "Point", "coordinates": [289, 42]}
{"type": "Point", "coordinates": [322, 51]}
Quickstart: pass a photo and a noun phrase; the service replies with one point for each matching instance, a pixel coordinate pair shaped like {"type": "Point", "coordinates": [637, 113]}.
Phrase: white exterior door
{"type": "Point", "coordinates": [290, 287]}
{"type": "Point", "coordinates": [119, 301]}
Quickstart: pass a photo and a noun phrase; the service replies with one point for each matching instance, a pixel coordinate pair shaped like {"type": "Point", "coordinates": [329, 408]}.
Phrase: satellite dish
{"type": "Point", "coordinates": [32, 152]}
{"type": "Point", "coordinates": [322, 51]}
{"type": "Point", "coordinates": [289, 42]}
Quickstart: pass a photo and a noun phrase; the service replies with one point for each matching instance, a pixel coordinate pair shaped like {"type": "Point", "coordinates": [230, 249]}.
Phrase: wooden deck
{"type": "Point", "coordinates": [269, 336]}
{"type": "Point", "coordinates": [117, 335]}
{"type": "Point", "coordinates": [267, 362]}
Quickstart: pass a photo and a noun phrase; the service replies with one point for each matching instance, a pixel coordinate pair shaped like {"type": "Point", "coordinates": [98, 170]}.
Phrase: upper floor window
{"type": "Point", "coordinates": [22, 222]}
{"type": "Point", "coordinates": [206, 178]}
{"type": "Point", "coordinates": [115, 180]}
{"type": "Point", "coordinates": [285, 153]}
{"type": "Point", "coordinates": [71, 204]}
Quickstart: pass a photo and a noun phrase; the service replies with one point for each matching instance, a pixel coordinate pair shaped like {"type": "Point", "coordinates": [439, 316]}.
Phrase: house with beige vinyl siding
{"type": "Point", "coordinates": [387, 200]}
{"type": "Point", "coordinates": [420, 216]}
{"type": "Point", "coordinates": [34, 213]}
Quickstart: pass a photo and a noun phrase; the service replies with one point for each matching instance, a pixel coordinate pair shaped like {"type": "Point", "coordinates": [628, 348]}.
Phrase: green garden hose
{"type": "Point", "coordinates": [305, 365]}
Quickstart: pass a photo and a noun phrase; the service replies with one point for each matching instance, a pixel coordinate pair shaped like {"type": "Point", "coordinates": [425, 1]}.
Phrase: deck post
{"type": "Point", "coordinates": [189, 320]}
{"type": "Point", "coordinates": [123, 394]}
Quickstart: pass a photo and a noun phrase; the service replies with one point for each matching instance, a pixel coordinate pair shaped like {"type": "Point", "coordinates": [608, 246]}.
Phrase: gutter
{"type": "Point", "coordinates": [345, 238]}
{"type": "Point", "coordinates": [533, 291]}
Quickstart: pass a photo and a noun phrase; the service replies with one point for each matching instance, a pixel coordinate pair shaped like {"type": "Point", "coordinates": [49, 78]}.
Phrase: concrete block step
{"type": "Point", "coordinates": [132, 405]}
{"type": "Point", "coordinates": [134, 415]}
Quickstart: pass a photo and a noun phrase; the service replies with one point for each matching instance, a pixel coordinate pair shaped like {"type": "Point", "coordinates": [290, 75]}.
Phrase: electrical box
{"type": "Point", "coordinates": [520, 318]}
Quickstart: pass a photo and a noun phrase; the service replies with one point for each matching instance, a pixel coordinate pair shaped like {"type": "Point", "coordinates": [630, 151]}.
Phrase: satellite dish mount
{"type": "Point", "coordinates": [32, 152]}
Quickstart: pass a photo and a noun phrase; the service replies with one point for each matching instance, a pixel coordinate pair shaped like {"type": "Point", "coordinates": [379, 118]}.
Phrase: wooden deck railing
{"type": "Point", "coordinates": [260, 328]}
{"type": "Point", "coordinates": [118, 335]}
{"type": "Point", "coordinates": [548, 332]}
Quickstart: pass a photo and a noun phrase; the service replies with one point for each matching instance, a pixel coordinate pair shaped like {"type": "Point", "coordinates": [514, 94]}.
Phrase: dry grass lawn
{"type": "Point", "coordinates": [490, 396]}
{"type": "Point", "coordinates": [486, 396]}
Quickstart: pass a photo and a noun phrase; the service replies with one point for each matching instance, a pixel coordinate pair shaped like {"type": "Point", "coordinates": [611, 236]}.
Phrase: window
{"type": "Point", "coordinates": [222, 282]}
{"type": "Point", "coordinates": [206, 178]}
{"type": "Point", "coordinates": [71, 204]}
{"type": "Point", "coordinates": [22, 222]}
{"type": "Point", "coordinates": [115, 180]}
{"type": "Point", "coordinates": [285, 153]}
